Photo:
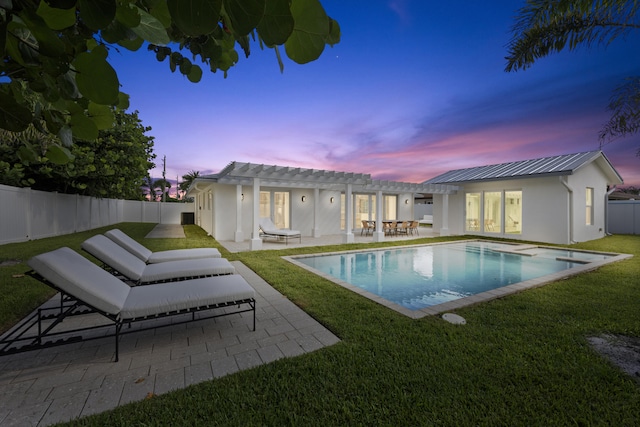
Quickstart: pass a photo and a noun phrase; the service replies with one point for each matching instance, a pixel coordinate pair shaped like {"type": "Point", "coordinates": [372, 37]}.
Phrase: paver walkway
{"type": "Point", "coordinates": [58, 384]}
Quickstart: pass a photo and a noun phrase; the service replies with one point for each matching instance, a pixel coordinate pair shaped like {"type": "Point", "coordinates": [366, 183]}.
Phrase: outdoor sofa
{"type": "Point", "coordinates": [119, 261]}
{"type": "Point", "coordinates": [269, 230]}
{"type": "Point", "coordinates": [86, 288]}
{"type": "Point", "coordinates": [150, 257]}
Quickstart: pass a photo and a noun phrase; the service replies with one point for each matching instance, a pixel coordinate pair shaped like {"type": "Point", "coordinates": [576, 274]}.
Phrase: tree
{"type": "Point", "coordinates": [546, 26]}
{"type": "Point", "coordinates": [114, 165]}
{"type": "Point", "coordinates": [188, 178]}
{"type": "Point", "coordinates": [161, 188]}
{"type": "Point", "coordinates": [55, 73]}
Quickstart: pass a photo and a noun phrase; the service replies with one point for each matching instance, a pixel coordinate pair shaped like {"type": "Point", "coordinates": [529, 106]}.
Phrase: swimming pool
{"type": "Point", "coordinates": [429, 279]}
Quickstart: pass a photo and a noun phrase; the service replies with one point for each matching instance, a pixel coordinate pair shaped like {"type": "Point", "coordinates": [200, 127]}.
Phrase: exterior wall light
{"type": "Point", "coordinates": [331, 200]}
{"type": "Point", "coordinates": [406, 201]}
{"type": "Point", "coordinates": [304, 198]}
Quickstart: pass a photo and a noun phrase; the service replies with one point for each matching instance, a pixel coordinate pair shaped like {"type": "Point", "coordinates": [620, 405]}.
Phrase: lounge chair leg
{"type": "Point", "coordinates": [118, 326]}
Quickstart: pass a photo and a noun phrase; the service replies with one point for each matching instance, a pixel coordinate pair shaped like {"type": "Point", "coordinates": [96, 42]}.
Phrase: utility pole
{"type": "Point", "coordinates": [164, 179]}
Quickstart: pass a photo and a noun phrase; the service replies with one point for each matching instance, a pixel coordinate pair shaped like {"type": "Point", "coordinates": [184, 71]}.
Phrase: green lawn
{"type": "Point", "coordinates": [520, 360]}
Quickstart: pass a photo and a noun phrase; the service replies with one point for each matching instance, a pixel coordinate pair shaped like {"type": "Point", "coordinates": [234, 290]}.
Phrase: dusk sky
{"type": "Point", "coordinates": [414, 88]}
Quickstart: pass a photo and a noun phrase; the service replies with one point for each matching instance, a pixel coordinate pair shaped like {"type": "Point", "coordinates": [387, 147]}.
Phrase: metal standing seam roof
{"type": "Point", "coordinates": [295, 177]}
{"type": "Point", "coordinates": [565, 164]}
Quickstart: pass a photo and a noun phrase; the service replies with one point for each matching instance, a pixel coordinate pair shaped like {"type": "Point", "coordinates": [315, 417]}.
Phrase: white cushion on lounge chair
{"type": "Point", "coordinates": [268, 227]}
{"type": "Point", "coordinates": [163, 256]}
{"type": "Point", "coordinates": [85, 281]}
{"type": "Point", "coordinates": [146, 300]}
{"type": "Point", "coordinates": [134, 268]}
{"type": "Point", "coordinates": [79, 277]}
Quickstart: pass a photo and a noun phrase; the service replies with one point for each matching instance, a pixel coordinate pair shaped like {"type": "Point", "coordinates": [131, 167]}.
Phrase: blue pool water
{"type": "Point", "coordinates": [424, 276]}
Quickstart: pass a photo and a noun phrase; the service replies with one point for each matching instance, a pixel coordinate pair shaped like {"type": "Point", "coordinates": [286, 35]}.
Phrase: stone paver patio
{"type": "Point", "coordinates": [41, 388]}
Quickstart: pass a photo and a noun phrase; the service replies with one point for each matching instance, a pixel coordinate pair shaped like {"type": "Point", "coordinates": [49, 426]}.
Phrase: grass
{"type": "Point", "coordinates": [520, 360]}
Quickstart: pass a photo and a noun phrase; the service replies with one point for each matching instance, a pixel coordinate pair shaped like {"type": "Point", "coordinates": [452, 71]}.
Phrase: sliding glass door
{"type": "Point", "coordinates": [276, 205]}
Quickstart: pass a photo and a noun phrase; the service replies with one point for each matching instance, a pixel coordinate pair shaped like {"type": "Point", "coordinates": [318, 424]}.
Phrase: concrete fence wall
{"type": "Point", "coordinates": [27, 214]}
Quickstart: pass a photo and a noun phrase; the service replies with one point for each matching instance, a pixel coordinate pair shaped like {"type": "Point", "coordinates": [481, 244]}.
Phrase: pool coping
{"type": "Point", "coordinates": [437, 309]}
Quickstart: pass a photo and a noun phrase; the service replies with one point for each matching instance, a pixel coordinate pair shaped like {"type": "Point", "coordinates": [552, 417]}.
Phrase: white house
{"type": "Point", "coordinates": [560, 199]}
{"type": "Point", "coordinates": [316, 202]}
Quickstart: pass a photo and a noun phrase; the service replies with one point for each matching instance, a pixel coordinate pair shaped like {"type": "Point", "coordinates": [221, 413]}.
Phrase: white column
{"type": "Point", "coordinates": [348, 232]}
{"type": "Point", "coordinates": [378, 234]}
{"type": "Point", "coordinates": [239, 236]}
{"type": "Point", "coordinates": [316, 213]}
{"type": "Point", "coordinates": [256, 241]}
{"type": "Point", "coordinates": [444, 231]}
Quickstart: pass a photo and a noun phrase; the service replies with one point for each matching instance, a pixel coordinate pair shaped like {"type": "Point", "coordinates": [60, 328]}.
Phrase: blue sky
{"type": "Point", "coordinates": [414, 88]}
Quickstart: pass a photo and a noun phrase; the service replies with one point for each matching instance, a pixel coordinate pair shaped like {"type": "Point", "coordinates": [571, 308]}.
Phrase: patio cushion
{"type": "Point", "coordinates": [162, 256]}
{"type": "Point", "coordinates": [167, 297]}
{"type": "Point", "coordinates": [82, 279]}
{"type": "Point", "coordinates": [133, 268]}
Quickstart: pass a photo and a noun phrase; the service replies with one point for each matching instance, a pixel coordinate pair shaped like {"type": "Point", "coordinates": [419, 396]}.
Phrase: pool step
{"type": "Point", "coordinates": [576, 260]}
{"type": "Point", "coordinates": [517, 249]}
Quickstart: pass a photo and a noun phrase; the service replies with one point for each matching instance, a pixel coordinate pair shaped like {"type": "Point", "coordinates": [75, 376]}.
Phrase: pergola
{"type": "Point", "coordinates": [261, 175]}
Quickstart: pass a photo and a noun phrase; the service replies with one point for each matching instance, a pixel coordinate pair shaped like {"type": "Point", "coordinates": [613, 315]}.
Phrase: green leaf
{"type": "Point", "coordinates": [132, 45]}
{"type": "Point", "coordinates": [27, 154]}
{"type": "Point", "coordinates": [57, 18]}
{"type": "Point", "coordinates": [310, 31]}
{"type": "Point", "coordinates": [83, 127]}
{"type": "Point", "coordinates": [151, 30]}
{"type": "Point", "coordinates": [244, 15]}
{"type": "Point", "coordinates": [59, 155]}
{"type": "Point", "coordinates": [97, 14]}
{"type": "Point", "coordinates": [13, 116]}
{"type": "Point", "coordinates": [102, 116]}
{"type": "Point", "coordinates": [185, 66]}
{"type": "Point", "coordinates": [334, 32]}
{"type": "Point", "coordinates": [123, 101]}
{"type": "Point", "coordinates": [277, 24]}
{"type": "Point", "coordinates": [195, 17]}
{"type": "Point", "coordinates": [67, 85]}
{"type": "Point", "coordinates": [62, 4]}
{"type": "Point", "coordinates": [96, 79]}
{"type": "Point", "coordinates": [66, 136]}
{"type": "Point", "coordinates": [195, 74]}
{"type": "Point", "coordinates": [49, 43]}
{"type": "Point", "coordinates": [127, 14]}
{"type": "Point", "coordinates": [3, 37]}
{"type": "Point", "coordinates": [160, 11]}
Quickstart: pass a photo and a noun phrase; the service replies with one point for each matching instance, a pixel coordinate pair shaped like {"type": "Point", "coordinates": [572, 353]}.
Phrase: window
{"type": "Point", "coordinates": [365, 208]}
{"type": "Point", "coordinates": [275, 205]}
{"type": "Point", "coordinates": [473, 212]}
{"type": "Point", "coordinates": [492, 211]}
{"type": "Point", "coordinates": [589, 210]}
{"type": "Point", "coordinates": [343, 210]}
{"type": "Point", "coordinates": [513, 212]}
{"type": "Point", "coordinates": [281, 209]}
{"type": "Point", "coordinates": [265, 204]}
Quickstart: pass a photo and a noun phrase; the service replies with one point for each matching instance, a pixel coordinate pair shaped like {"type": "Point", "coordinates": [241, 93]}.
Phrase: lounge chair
{"type": "Point", "coordinates": [163, 256]}
{"type": "Point", "coordinates": [269, 230]}
{"type": "Point", "coordinates": [84, 284]}
{"type": "Point", "coordinates": [119, 261]}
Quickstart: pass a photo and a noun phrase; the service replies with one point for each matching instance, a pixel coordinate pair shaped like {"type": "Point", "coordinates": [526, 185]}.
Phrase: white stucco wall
{"type": "Point", "coordinates": [219, 220]}
{"type": "Point", "coordinates": [551, 213]}
{"type": "Point", "coordinates": [579, 181]}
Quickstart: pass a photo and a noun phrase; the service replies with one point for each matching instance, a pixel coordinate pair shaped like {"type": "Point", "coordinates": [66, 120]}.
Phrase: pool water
{"type": "Point", "coordinates": [423, 276]}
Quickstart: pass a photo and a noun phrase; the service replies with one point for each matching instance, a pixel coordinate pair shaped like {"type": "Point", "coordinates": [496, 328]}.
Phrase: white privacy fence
{"type": "Point", "coordinates": [624, 217]}
{"type": "Point", "coordinates": [27, 214]}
